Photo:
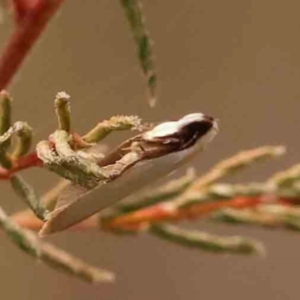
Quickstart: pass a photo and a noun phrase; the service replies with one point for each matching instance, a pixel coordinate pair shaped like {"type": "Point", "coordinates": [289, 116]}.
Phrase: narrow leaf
{"type": "Point", "coordinates": [135, 17]}
{"type": "Point", "coordinates": [28, 195]}
{"type": "Point", "coordinates": [50, 255]}
{"type": "Point", "coordinates": [207, 242]}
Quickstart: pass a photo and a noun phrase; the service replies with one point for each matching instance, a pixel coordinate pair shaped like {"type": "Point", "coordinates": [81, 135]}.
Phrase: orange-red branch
{"type": "Point", "coordinates": [32, 160]}
{"type": "Point", "coordinates": [24, 162]}
{"type": "Point", "coordinates": [160, 213]}
{"type": "Point", "coordinates": [20, 8]}
{"type": "Point", "coordinates": [27, 220]}
{"type": "Point", "coordinates": [154, 214]}
{"type": "Point", "coordinates": [30, 21]}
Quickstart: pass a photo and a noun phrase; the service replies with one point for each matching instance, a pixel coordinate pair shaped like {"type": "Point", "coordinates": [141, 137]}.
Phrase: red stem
{"type": "Point", "coordinates": [135, 220]}
{"type": "Point", "coordinates": [20, 8]}
{"type": "Point", "coordinates": [154, 214]}
{"type": "Point", "coordinates": [27, 30]}
{"type": "Point", "coordinates": [158, 212]}
{"type": "Point", "coordinates": [24, 162]}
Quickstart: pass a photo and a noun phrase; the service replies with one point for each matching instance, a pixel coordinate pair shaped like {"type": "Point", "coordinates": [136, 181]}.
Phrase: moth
{"type": "Point", "coordinates": [132, 165]}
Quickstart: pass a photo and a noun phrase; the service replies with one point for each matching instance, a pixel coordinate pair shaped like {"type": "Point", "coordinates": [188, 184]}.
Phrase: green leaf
{"type": "Point", "coordinates": [135, 17]}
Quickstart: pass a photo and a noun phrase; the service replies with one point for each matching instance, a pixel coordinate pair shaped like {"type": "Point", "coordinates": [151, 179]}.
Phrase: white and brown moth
{"type": "Point", "coordinates": [132, 165]}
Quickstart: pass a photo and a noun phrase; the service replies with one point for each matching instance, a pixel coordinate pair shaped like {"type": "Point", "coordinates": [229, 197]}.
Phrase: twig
{"type": "Point", "coordinates": [5, 112]}
{"type": "Point", "coordinates": [286, 179]}
{"type": "Point", "coordinates": [134, 14]}
{"type": "Point", "coordinates": [162, 212]}
{"type": "Point", "coordinates": [27, 193]}
{"type": "Point", "coordinates": [207, 242]}
{"type": "Point", "coordinates": [211, 199]}
{"type": "Point", "coordinates": [133, 215]}
{"type": "Point", "coordinates": [63, 111]}
{"type": "Point", "coordinates": [65, 161]}
{"type": "Point", "coordinates": [116, 123]}
{"type": "Point", "coordinates": [271, 216]}
{"type": "Point", "coordinates": [193, 192]}
{"type": "Point", "coordinates": [30, 22]}
{"type": "Point", "coordinates": [20, 8]}
{"type": "Point", "coordinates": [230, 166]}
{"type": "Point", "coordinates": [148, 198]}
{"type": "Point", "coordinates": [23, 140]}
{"type": "Point", "coordinates": [95, 135]}
{"type": "Point", "coordinates": [50, 255]}
{"type": "Point", "coordinates": [22, 163]}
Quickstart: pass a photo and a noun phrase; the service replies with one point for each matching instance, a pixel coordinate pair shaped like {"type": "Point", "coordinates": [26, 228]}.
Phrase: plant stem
{"type": "Point", "coordinates": [24, 162]}
{"type": "Point", "coordinates": [26, 32]}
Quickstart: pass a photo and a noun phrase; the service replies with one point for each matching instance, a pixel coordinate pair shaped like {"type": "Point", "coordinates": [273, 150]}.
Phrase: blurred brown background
{"type": "Point", "coordinates": [237, 60]}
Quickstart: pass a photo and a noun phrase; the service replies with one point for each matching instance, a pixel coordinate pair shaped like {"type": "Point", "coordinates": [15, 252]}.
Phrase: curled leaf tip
{"type": "Point", "coordinates": [63, 111]}
{"type": "Point", "coordinates": [151, 89]}
{"type": "Point", "coordinates": [4, 93]}
{"type": "Point", "coordinates": [5, 111]}
{"type": "Point", "coordinates": [279, 150]}
{"type": "Point", "coordinates": [152, 101]}
{"type": "Point", "coordinates": [23, 141]}
{"type": "Point", "coordinates": [134, 14]}
{"type": "Point", "coordinates": [103, 277]}
{"type": "Point", "coordinates": [63, 96]}
{"type": "Point", "coordinates": [123, 122]}
{"type": "Point", "coordinates": [21, 126]}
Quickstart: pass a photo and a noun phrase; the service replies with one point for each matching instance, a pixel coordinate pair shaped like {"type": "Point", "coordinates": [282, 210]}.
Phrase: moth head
{"type": "Point", "coordinates": [190, 130]}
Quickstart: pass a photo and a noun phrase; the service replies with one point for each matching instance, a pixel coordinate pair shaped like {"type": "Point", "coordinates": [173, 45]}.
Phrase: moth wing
{"type": "Point", "coordinates": [70, 194]}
